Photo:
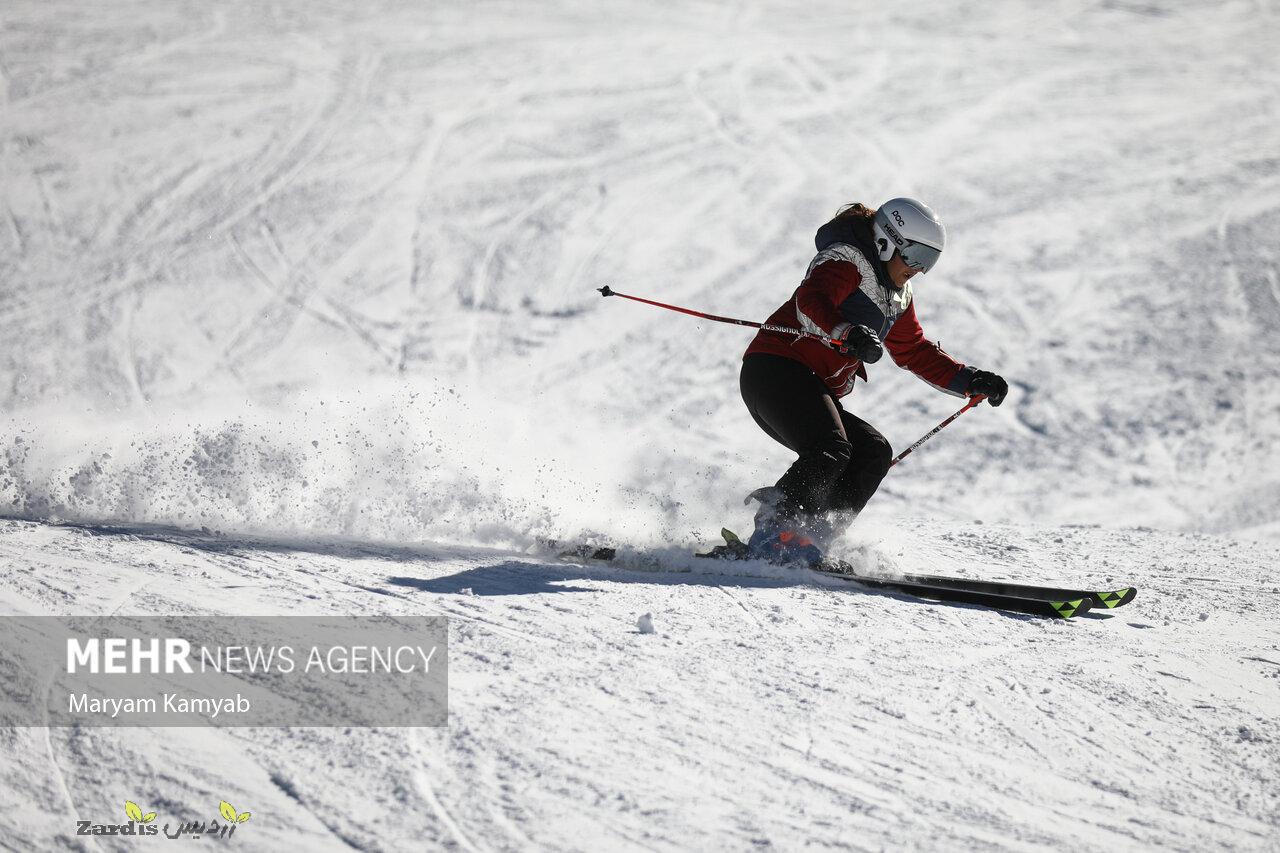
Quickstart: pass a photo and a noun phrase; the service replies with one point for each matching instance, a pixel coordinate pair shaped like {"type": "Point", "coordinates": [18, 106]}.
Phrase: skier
{"type": "Point", "coordinates": [857, 294]}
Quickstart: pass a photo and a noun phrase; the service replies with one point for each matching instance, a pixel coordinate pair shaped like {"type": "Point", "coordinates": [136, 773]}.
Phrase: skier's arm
{"type": "Point", "coordinates": [826, 286]}
{"type": "Point", "coordinates": [911, 350]}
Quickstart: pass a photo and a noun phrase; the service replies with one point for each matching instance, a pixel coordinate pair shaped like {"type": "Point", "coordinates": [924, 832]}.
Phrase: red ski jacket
{"type": "Point", "coordinates": [841, 285]}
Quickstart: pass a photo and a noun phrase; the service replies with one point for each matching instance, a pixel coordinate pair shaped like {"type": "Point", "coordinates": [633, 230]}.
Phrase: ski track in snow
{"type": "Point", "coordinates": [282, 284]}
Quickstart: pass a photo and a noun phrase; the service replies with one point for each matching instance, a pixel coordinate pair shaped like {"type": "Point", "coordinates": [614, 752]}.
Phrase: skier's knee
{"type": "Point", "coordinates": [832, 453]}
{"type": "Point", "coordinates": [881, 455]}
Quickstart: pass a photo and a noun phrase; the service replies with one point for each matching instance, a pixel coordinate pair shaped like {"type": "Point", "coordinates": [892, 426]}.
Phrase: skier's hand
{"type": "Point", "coordinates": [857, 342]}
{"type": "Point", "coordinates": [990, 385]}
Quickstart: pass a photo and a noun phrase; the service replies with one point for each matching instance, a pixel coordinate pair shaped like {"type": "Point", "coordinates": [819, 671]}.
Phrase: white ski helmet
{"type": "Point", "coordinates": [912, 229]}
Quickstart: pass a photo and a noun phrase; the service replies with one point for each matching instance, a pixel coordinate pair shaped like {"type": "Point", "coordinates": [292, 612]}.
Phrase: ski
{"type": "Point", "coordinates": [1099, 598]}
{"type": "Point", "coordinates": [580, 551]}
{"type": "Point", "coordinates": [1064, 607]}
{"type": "Point", "coordinates": [1055, 608]}
{"type": "Point", "coordinates": [734, 547]}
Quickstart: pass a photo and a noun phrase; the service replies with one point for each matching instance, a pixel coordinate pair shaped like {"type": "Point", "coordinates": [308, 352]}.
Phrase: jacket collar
{"type": "Point", "coordinates": [857, 233]}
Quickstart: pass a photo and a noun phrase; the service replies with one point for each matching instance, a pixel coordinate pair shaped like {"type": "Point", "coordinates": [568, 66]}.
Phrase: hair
{"type": "Point", "coordinates": [857, 210]}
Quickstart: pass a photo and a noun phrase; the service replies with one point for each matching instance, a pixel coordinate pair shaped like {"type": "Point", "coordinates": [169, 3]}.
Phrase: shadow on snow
{"type": "Point", "coordinates": [535, 575]}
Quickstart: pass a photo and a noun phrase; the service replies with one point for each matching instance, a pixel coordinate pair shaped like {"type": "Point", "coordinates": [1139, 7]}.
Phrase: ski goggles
{"type": "Point", "coordinates": [919, 256]}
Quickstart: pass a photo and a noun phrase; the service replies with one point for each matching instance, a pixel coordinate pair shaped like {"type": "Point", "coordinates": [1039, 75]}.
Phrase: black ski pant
{"type": "Point", "coordinates": [842, 458]}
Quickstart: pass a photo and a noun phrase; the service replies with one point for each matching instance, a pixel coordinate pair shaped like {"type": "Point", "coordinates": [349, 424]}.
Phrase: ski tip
{"type": "Point", "coordinates": [729, 536]}
{"type": "Point", "coordinates": [1069, 609]}
{"type": "Point", "coordinates": [1116, 598]}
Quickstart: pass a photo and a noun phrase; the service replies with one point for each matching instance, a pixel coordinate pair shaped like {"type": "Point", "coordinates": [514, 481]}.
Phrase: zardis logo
{"type": "Point", "coordinates": [139, 823]}
{"type": "Point", "coordinates": [142, 824]}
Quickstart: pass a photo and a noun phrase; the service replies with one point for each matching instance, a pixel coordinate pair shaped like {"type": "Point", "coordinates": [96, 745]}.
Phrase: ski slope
{"type": "Point", "coordinates": [297, 314]}
{"type": "Point", "coordinates": [768, 708]}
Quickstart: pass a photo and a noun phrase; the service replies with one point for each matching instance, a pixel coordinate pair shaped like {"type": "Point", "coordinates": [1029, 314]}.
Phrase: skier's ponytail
{"type": "Point", "coordinates": [857, 210]}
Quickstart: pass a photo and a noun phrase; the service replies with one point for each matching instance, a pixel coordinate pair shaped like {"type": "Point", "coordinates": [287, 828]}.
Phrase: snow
{"type": "Point", "coordinates": [298, 315]}
{"type": "Point", "coordinates": [768, 708]}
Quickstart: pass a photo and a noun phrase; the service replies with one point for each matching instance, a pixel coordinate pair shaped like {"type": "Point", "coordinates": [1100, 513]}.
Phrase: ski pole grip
{"type": "Point", "coordinates": [605, 291]}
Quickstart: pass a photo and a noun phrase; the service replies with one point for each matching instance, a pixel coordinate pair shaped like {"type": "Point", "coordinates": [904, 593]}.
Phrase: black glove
{"type": "Point", "coordinates": [857, 342]}
{"type": "Point", "coordinates": [990, 385]}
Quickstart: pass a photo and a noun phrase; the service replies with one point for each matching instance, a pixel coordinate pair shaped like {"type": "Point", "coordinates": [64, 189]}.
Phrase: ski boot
{"type": "Point", "coordinates": [781, 534]}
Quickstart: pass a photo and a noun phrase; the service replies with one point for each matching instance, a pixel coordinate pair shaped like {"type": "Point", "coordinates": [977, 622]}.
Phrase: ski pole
{"type": "Point", "coordinates": [973, 401]}
{"type": "Point", "coordinates": [768, 327]}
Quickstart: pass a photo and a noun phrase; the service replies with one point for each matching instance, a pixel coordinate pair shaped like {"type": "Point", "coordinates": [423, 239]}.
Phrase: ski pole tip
{"type": "Point", "coordinates": [605, 291]}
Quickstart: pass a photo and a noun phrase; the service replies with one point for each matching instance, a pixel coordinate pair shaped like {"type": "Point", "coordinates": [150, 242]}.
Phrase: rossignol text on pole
{"type": "Point", "coordinates": [973, 401]}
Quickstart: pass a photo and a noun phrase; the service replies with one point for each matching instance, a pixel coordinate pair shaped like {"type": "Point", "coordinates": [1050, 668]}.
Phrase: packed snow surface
{"type": "Point", "coordinates": [768, 706]}
{"type": "Point", "coordinates": [298, 314]}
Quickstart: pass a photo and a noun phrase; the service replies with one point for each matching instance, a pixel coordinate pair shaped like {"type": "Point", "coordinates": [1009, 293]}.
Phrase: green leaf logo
{"type": "Point", "coordinates": [135, 814]}
{"type": "Point", "coordinates": [229, 813]}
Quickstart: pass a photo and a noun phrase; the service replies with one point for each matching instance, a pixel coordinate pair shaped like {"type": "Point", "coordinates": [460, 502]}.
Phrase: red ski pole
{"type": "Point", "coordinates": [768, 327]}
{"type": "Point", "coordinates": [973, 401]}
